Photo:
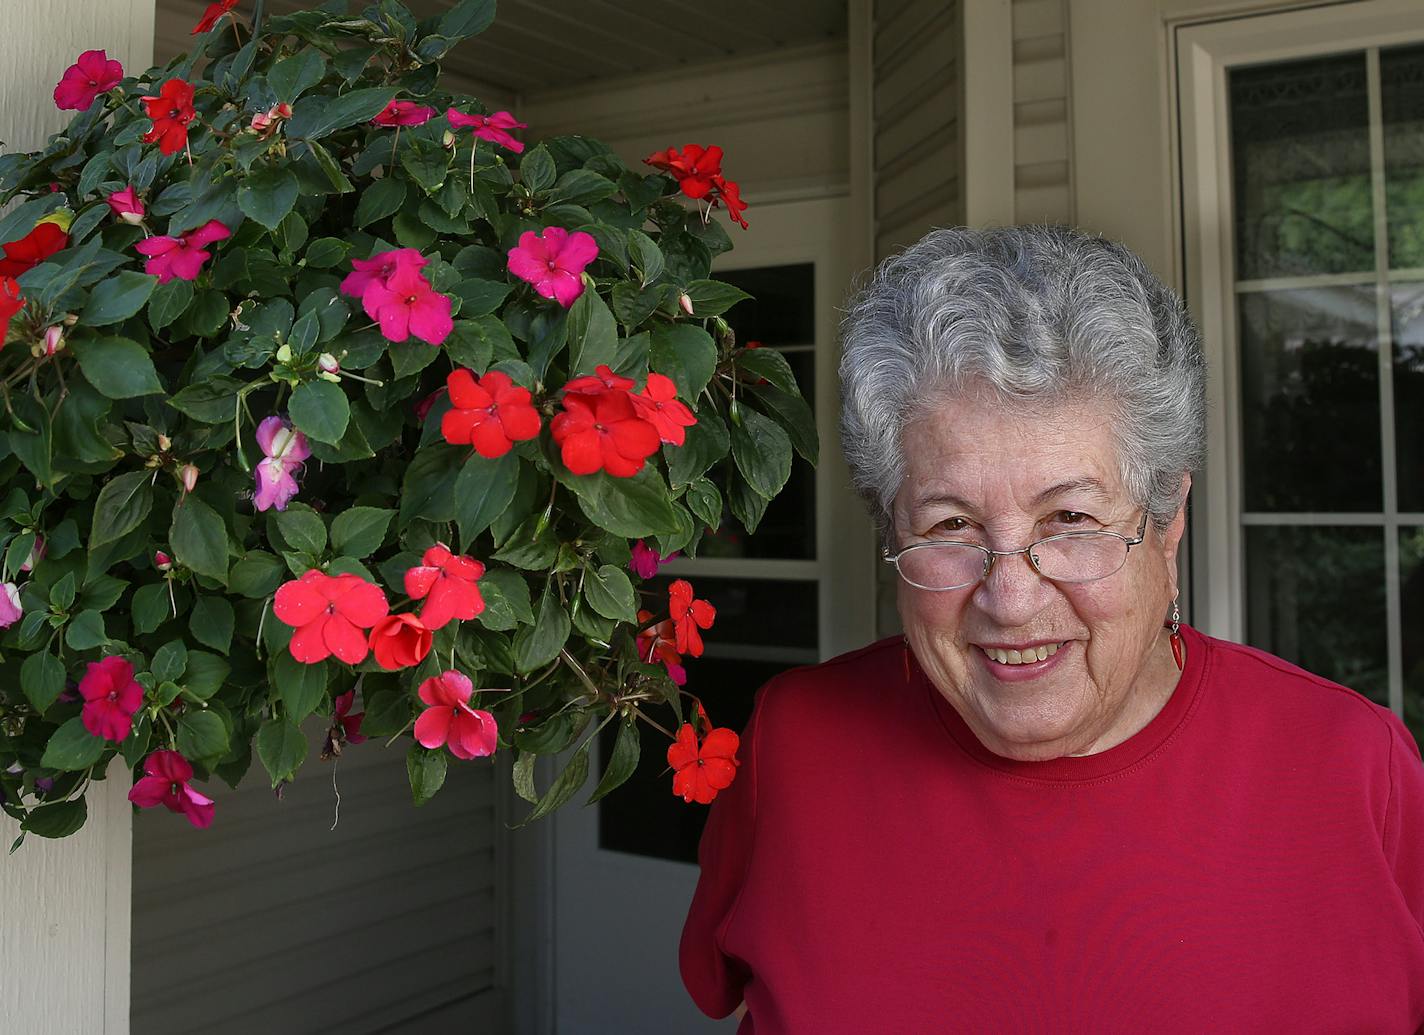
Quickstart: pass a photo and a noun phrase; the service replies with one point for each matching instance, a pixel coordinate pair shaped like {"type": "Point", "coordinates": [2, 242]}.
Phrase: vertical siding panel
{"type": "Point", "coordinates": [362, 928]}
{"type": "Point", "coordinates": [1043, 173]}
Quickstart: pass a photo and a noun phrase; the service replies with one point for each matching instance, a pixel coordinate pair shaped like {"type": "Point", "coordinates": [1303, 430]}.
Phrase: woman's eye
{"type": "Point", "coordinates": [954, 524]}
{"type": "Point", "coordinates": [1071, 517]}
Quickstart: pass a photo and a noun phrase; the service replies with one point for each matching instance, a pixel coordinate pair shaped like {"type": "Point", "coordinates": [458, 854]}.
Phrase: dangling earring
{"type": "Point", "coordinates": [905, 644]}
{"type": "Point", "coordinates": [1176, 636]}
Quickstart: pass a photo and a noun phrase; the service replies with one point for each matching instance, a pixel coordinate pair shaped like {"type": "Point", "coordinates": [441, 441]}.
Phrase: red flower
{"type": "Point", "coordinates": [490, 413]}
{"type": "Point", "coordinates": [11, 302]}
{"type": "Point", "coordinates": [111, 696]}
{"type": "Point", "coordinates": [730, 195]}
{"type": "Point", "coordinates": [328, 613]}
{"type": "Point", "coordinates": [404, 113]}
{"type": "Point", "coordinates": [167, 784]}
{"type": "Point", "coordinates": [658, 405]}
{"type": "Point", "coordinates": [658, 641]}
{"type": "Point", "coordinates": [212, 14]}
{"type": "Point", "coordinates": [400, 641]}
{"type": "Point", "coordinates": [171, 111]}
{"type": "Point", "coordinates": [449, 585]}
{"type": "Point", "coordinates": [450, 721]}
{"type": "Point", "coordinates": [603, 432]}
{"type": "Point", "coordinates": [689, 615]}
{"type": "Point", "coordinates": [601, 380]}
{"type": "Point", "coordinates": [344, 729]}
{"type": "Point", "coordinates": [694, 166]}
{"type": "Point", "coordinates": [94, 73]}
{"type": "Point", "coordinates": [35, 247]}
{"type": "Point", "coordinates": [700, 772]}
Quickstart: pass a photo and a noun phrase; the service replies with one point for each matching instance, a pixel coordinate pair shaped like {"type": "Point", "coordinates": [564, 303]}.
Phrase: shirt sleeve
{"type": "Point", "coordinates": [1404, 818]}
{"type": "Point", "coordinates": [715, 979]}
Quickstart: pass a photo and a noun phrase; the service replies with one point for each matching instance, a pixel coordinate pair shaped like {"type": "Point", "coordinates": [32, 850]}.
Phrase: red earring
{"type": "Point", "coordinates": [1176, 637]}
{"type": "Point", "coordinates": [905, 643]}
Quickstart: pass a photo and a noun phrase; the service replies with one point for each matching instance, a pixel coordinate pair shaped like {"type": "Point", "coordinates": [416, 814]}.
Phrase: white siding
{"type": "Point", "coordinates": [273, 921]}
{"type": "Point", "coordinates": [1043, 186]}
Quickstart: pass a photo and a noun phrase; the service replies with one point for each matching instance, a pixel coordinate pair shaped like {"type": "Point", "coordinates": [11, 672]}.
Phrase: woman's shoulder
{"type": "Point", "coordinates": [850, 687]}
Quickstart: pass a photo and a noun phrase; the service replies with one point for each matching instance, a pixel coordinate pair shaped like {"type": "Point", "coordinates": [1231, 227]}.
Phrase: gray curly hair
{"type": "Point", "coordinates": [1037, 314]}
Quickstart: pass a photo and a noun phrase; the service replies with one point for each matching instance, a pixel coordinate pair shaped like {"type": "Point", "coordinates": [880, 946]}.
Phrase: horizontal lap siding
{"type": "Point", "coordinates": [1043, 187]}
{"type": "Point", "coordinates": [916, 118]}
{"type": "Point", "coordinates": [272, 921]}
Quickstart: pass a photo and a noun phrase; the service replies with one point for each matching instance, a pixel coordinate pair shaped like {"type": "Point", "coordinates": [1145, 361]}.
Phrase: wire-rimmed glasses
{"type": "Point", "coordinates": [945, 564]}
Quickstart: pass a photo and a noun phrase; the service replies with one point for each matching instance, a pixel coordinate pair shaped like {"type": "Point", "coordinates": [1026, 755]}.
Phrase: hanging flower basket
{"type": "Point", "coordinates": [325, 395]}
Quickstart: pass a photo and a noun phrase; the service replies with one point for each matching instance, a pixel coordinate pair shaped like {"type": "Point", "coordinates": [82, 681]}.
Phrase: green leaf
{"type": "Point", "coordinates": [122, 504]}
{"type": "Point", "coordinates": [206, 674]}
{"type": "Point", "coordinates": [116, 298]}
{"type": "Point", "coordinates": [42, 680]}
{"type": "Point", "coordinates": [202, 734]}
{"type": "Point", "coordinates": [300, 686]}
{"type": "Point", "coordinates": [169, 661]}
{"type": "Point", "coordinates": [58, 819]}
{"type": "Point", "coordinates": [574, 776]}
{"type": "Point", "coordinates": [336, 178]}
{"type": "Point", "coordinates": [529, 547]}
{"type": "Point", "coordinates": [473, 343]}
{"type": "Point", "coordinates": [359, 531]}
{"type": "Point", "coordinates": [747, 505]}
{"type": "Point", "coordinates": [631, 507]}
{"type": "Point", "coordinates": [427, 163]}
{"type": "Point", "coordinates": [411, 357]}
{"type": "Point", "coordinates": [293, 76]}
{"type": "Point", "coordinates": [212, 402]}
{"type": "Point", "coordinates": [593, 335]}
{"type": "Point", "coordinates": [537, 170]}
{"type": "Point", "coordinates": [281, 749]}
{"type": "Point", "coordinates": [582, 187]}
{"type": "Point", "coordinates": [135, 745]}
{"type": "Point", "coordinates": [704, 499]}
{"type": "Point", "coordinates": [483, 489]}
{"type": "Point", "coordinates": [321, 409]}
{"type": "Point", "coordinates": [538, 644]}
{"type": "Point", "coordinates": [646, 255]}
{"type": "Point", "coordinates": [151, 607]}
{"type": "Point", "coordinates": [705, 443]}
{"type": "Point", "coordinates": [794, 416]}
{"type": "Point", "coordinates": [61, 594]}
{"type": "Point", "coordinates": [771, 365]}
{"type": "Point", "coordinates": [632, 305]}
{"type": "Point", "coordinates": [686, 354]}
{"type": "Point", "coordinates": [428, 489]}
{"type": "Point", "coordinates": [325, 252]}
{"type": "Point", "coordinates": [86, 630]}
{"type": "Point", "coordinates": [610, 592]}
{"type": "Point", "coordinates": [713, 297]}
{"type": "Point", "coordinates": [318, 115]}
{"type": "Point", "coordinates": [426, 770]}
{"type": "Point", "coordinates": [267, 195]}
{"type": "Point", "coordinates": [479, 297]}
{"type": "Point", "coordinates": [117, 367]}
{"type": "Point", "coordinates": [762, 452]}
{"type": "Point", "coordinates": [302, 528]}
{"type": "Point", "coordinates": [72, 747]}
{"type": "Point", "coordinates": [467, 18]}
{"type": "Point", "coordinates": [506, 595]}
{"type": "Point", "coordinates": [257, 574]}
{"type": "Point", "coordinates": [212, 622]}
{"type": "Point", "coordinates": [383, 198]}
{"type": "Point", "coordinates": [524, 777]}
{"type": "Point", "coordinates": [622, 763]}
{"type": "Point", "coordinates": [168, 302]}
{"type": "Point", "coordinates": [199, 538]}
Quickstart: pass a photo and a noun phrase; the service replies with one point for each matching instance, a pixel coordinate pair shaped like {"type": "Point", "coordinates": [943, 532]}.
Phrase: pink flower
{"type": "Point", "coordinates": [350, 724]}
{"type": "Point", "coordinates": [111, 696]}
{"type": "Point", "coordinates": [37, 554]}
{"type": "Point", "coordinates": [166, 783]}
{"type": "Point", "coordinates": [285, 448]}
{"type": "Point", "coordinates": [126, 205]}
{"type": "Point", "coordinates": [449, 720]}
{"type": "Point", "coordinates": [94, 73]}
{"type": "Point", "coordinates": [10, 609]}
{"type": "Point", "coordinates": [375, 271]}
{"type": "Point", "coordinates": [554, 263]}
{"type": "Point", "coordinates": [489, 127]}
{"type": "Point", "coordinates": [53, 341]}
{"type": "Point", "coordinates": [406, 304]}
{"type": "Point", "coordinates": [404, 113]}
{"type": "Point", "coordinates": [645, 561]}
{"type": "Point", "coordinates": [181, 257]}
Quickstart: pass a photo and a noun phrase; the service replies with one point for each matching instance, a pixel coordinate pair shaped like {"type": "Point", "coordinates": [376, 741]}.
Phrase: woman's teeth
{"type": "Point", "coordinates": [1022, 657]}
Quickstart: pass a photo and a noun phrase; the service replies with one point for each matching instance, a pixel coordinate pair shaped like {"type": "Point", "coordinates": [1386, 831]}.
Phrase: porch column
{"type": "Point", "coordinates": [64, 940]}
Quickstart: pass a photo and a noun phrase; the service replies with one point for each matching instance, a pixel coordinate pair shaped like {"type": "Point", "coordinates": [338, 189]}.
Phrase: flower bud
{"type": "Point", "coordinates": [53, 340]}
{"type": "Point", "coordinates": [280, 111]}
{"type": "Point", "coordinates": [447, 140]}
{"type": "Point", "coordinates": [70, 319]}
{"type": "Point", "coordinates": [164, 442]}
{"type": "Point", "coordinates": [329, 368]}
{"type": "Point", "coordinates": [37, 553]}
{"type": "Point", "coordinates": [261, 122]}
{"type": "Point", "coordinates": [685, 300]}
{"type": "Point", "coordinates": [162, 561]}
{"type": "Point", "coordinates": [188, 475]}
{"type": "Point", "coordinates": [284, 354]}
{"type": "Point", "coordinates": [132, 218]}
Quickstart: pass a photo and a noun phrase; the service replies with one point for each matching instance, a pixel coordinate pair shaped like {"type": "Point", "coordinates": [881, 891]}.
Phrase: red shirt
{"type": "Point", "coordinates": [1250, 861]}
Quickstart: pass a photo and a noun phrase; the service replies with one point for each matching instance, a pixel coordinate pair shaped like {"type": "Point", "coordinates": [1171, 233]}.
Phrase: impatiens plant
{"type": "Point", "coordinates": [326, 414]}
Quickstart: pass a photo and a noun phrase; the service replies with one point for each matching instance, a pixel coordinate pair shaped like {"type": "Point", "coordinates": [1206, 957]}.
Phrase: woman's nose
{"type": "Point", "coordinates": [1013, 592]}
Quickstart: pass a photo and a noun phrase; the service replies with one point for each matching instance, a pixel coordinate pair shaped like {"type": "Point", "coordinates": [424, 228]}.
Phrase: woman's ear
{"type": "Point", "coordinates": [1177, 527]}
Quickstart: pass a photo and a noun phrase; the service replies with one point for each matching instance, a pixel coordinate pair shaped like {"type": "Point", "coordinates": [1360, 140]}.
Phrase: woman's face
{"type": "Point", "coordinates": [982, 471]}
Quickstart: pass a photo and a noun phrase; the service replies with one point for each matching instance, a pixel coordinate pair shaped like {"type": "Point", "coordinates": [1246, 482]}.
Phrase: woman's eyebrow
{"type": "Point", "coordinates": [1087, 484]}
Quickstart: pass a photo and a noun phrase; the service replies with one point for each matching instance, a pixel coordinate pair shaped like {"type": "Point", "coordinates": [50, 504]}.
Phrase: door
{"type": "Point", "coordinates": [800, 590]}
{"type": "Point", "coordinates": [1303, 158]}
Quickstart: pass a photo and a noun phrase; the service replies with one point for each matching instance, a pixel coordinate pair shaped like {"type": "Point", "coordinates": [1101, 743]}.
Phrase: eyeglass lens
{"type": "Point", "coordinates": [1075, 558]}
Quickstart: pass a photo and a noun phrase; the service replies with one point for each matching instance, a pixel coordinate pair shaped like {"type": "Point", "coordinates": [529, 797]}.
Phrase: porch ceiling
{"type": "Point", "coordinates": [538, 45]}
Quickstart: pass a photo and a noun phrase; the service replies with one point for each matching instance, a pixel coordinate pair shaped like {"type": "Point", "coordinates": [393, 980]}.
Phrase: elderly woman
{"type": "Point", "coordinates": [1050, 806]}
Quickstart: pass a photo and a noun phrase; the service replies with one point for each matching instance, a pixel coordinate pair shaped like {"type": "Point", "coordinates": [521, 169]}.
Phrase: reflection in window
{"type": "Point", "coordinates": [1402, 104]}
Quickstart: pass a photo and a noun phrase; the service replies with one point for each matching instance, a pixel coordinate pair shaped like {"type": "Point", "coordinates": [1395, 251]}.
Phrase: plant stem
{"type": "Point", "coordinates": [651, 722]}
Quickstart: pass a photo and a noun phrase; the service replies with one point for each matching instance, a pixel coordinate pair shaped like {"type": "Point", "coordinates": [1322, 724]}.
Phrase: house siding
{"type": "Point", "coordinates": [1043, 172]}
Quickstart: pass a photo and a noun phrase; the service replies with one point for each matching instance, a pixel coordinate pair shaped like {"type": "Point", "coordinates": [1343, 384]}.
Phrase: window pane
{"type": "Point", "coordinates": [1310, 400]}
{"type": "Point", "coordinates": [1411, 598]}
{"type": "Point", "coordinates": [1402, 97]}
{"type": "Point", "coordinates": [1407, 302]}
{"type": "Point", "coordinates": [780, 614]}
{"type": "Point", "coordinates": [1300, 138]}
{"type": "Point", "coordinates": [782, 309]}
{"type": "Point", "coordinates": [1296, 582]}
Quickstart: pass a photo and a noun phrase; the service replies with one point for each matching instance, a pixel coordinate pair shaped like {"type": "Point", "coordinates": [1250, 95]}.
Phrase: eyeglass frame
{"type": "Point", "coordinates": [991, 555]}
